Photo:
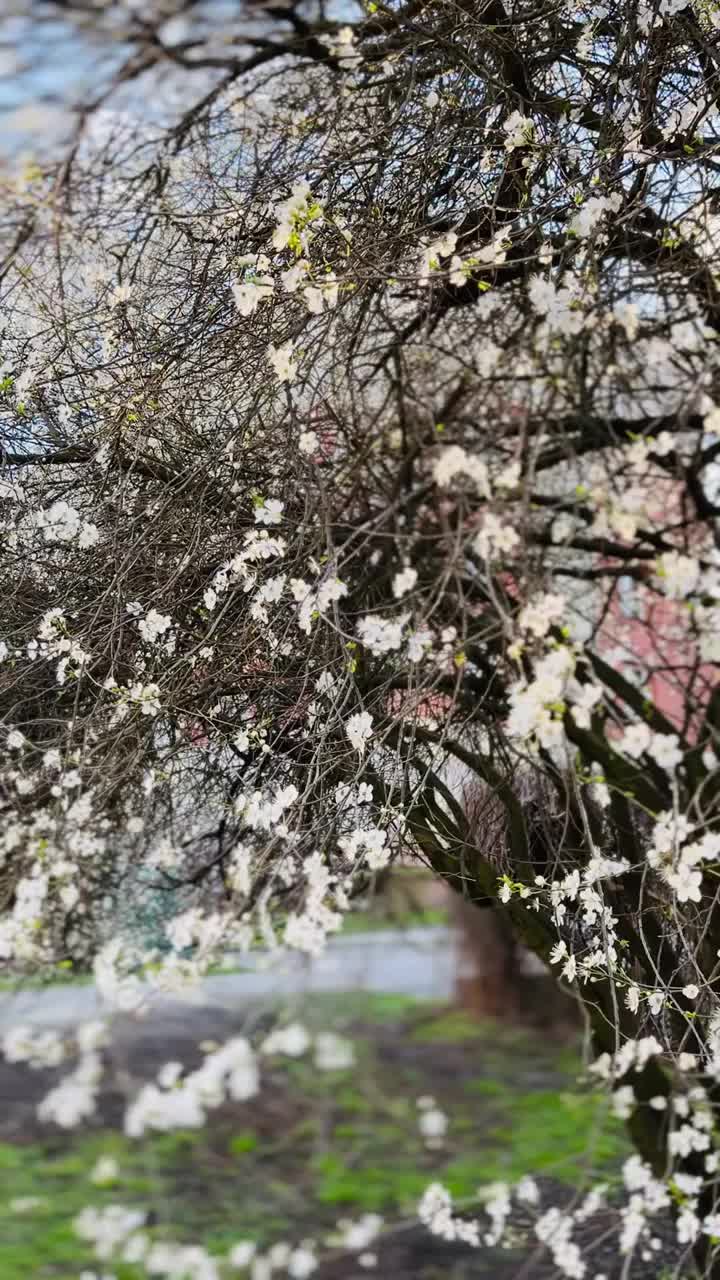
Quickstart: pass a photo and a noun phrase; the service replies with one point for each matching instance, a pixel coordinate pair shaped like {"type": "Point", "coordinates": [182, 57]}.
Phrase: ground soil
{"type": "Point", "coordinates": [310, 1150]}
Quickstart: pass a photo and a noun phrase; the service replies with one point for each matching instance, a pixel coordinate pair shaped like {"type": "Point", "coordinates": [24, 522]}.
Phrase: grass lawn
{"type": "Point", "coordinates": [313, 1148]}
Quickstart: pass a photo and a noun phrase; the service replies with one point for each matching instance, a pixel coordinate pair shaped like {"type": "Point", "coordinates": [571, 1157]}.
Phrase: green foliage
{"type": "Point", "coordinates": [241, 1143]}
{"type": "Point", "coordinates": [554, 1132]}
{"type": "Point", "coordinates": [448, 1027]}
{"type": "Point", "coordinates": [370, 1188]}
{"type": "Point", "coordinates": [368, 921]}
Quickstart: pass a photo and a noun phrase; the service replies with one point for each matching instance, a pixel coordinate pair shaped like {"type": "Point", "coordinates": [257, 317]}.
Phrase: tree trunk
{"type": "Point", "coordinates": [488, 970]}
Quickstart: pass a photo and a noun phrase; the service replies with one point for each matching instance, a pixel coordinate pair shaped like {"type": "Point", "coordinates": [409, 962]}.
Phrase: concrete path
{"type": "Point", "coordinates": [415, 962]}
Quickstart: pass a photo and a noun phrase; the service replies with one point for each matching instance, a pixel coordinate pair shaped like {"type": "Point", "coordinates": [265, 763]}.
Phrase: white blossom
{"type": "Point", "coordinates": [308, 442]}
{"type": "Point", "coordinates": [678, 574]}
{"type": "Point", "coordinates": [250, 293]}
{"type": "Point", "coordinates": [269, 511]}
{"type": "Point", "coordinates": [154, 625]}
{"type": "Point", "coordinates": [404, 581]}
{"type": "Point", "coordinates": [359, 730]}
{"type": "Point", "coordinates": [333, 1052]}
{"type": "Point", "coordinates": [281, 359]}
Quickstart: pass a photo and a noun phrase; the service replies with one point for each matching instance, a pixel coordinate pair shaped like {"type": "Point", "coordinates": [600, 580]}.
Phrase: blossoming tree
{"type": "Point", "coordinates": [344, 389]}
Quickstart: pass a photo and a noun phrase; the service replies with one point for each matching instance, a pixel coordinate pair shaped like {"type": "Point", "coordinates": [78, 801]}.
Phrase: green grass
{"type": "Point", "coordinates": [342, 1009]}
{"type": "Point", "coordinates": [42, 1242]}
{"type": "Point", "coordinates": [241, 1143]}
{"type": "Point", "coordinates": [450, 1027]}
{"type": "Point", "coordinates": [60, 977]}
{"type": "Point", "coordinates": [313, 1148]}
{"type": "Point", "coordinates": [372, 921]}
{"type": "Point", "coordinates": [370, 1187]}
{"type": "Point", "coordinates": [555, 1133]}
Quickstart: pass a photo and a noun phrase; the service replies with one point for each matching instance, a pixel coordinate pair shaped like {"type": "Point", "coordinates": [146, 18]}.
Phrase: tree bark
{"type": "Point", "coordinates": [488, 970]}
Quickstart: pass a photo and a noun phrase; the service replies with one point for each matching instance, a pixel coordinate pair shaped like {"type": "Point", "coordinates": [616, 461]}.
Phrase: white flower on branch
{"type": "Point", "coordinates": [404, 581]}
{"type": "Point", "coordinates": [269, 511]}
{"type": "Point", "coordinates": [359, 730]}
{"type": "Point", "coordinates": [250, 293]}
{"type": "Point", "coordinates": [333, 1052]}
{"type": "Point", "coordinates": [281, 359]}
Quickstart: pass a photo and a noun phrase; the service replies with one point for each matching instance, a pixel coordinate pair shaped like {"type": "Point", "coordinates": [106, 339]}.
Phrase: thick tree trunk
{"type": "Point", "coordinates": [497, 978]}
{"type": "Point", "coordinates": [488, 969]}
